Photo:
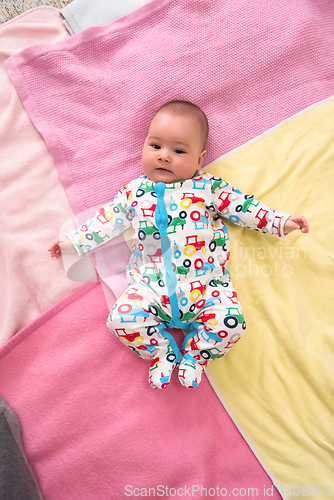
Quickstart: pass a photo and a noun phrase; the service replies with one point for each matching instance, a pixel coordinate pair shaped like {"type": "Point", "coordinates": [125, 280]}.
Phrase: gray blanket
{"type": "Point", "coordinates": [17, 481]}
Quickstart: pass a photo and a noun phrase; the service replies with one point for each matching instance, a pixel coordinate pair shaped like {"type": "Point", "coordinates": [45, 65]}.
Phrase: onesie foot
{"type": "Point", "coordinates": [190, 373]}
{"type": "Point", "coordinates": [160, 373]}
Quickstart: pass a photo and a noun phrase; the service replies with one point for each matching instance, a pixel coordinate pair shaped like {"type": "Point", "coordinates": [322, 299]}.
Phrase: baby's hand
{"type": "Point", "coordinates": [59, 246]}
{"type": "Point", "coordinates": [295, 222]}
{"type": "Point", "coordinates": [55, 250]}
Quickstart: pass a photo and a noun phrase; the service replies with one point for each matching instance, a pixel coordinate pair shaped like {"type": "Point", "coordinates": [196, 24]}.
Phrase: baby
{"type": "Point", "coordinates": [178, 268]}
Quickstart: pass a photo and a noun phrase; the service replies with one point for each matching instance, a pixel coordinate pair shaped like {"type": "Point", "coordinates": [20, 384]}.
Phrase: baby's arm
{"type": "Point", "coordinates": [295, 222]}
{"type": "Point", "coordinates": [110, 221]}
{"type": "Point", "coordinates": [245, 210]}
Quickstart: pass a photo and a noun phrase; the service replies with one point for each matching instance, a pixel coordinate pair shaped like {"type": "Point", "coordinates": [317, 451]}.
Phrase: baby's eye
{"type": "Point", "coordinates": [155, 146]}
{"type": "Point", "coordinates": [179, 151]}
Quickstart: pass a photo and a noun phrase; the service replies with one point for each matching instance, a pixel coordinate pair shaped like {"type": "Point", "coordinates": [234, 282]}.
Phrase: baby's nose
{"type": "Point", "coordinates": [164, 155]}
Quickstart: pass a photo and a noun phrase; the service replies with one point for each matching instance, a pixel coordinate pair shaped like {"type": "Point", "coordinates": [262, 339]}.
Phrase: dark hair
{"type": "Point", "coordinates": [190, 109]}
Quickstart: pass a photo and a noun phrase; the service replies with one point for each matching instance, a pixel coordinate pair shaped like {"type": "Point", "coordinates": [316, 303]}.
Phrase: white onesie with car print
{"type": "Point", "coordinates": [178, 271]}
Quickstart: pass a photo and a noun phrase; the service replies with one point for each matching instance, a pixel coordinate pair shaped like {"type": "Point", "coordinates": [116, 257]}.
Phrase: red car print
{"type": "Point", "coordinates": [189, 198]}
{"type": "Point", "coordinates": [134, 296]}
{"type": "Point", "coordinates": [262, 215]}
{"type": "Point", "coordinates": [225, 198]}
{"type": "Point", "coordinates": [165, 300]}
{"type": "Point", "coordinates": [130, 337]}
{"type": "Point", "coordinates": [193, 245]}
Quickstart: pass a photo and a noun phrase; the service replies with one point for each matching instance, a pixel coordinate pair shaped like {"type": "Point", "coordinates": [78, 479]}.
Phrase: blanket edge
{"type": "Point", "coordinates": [244, 435]}
{"type": "Point", "coordinates": [87, 35]}
{"type": "Point", "coordinates": [44, 317]}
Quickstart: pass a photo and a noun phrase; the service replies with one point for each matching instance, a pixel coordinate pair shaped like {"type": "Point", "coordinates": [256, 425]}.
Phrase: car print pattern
{"type": "Point", "coordinates": [178, 271]}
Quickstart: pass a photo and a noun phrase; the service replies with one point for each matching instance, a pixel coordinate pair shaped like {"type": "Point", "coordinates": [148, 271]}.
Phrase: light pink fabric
{"type": "Point", "coordinates": [92, 425]}
{"type": "Point", "coordinates": [249, 65]}
{"type": "Point", "coordinates": [33, 203]}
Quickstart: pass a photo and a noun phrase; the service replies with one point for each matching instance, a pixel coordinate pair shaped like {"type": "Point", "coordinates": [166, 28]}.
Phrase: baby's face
{"type": "Point", "coordinates": [172, 150]}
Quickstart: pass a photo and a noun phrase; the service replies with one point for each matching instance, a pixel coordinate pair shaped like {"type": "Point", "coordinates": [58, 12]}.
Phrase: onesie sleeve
{"type": "Point", "coordinates": [110, 221]}
{"type": "Point", "coordinates": [245, 210]}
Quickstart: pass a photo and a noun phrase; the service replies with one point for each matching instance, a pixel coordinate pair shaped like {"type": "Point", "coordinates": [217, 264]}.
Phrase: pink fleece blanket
{"type": "Point", "coordinates": [93, 429]}
{"type": "Point", "coordinates": [33, 203]}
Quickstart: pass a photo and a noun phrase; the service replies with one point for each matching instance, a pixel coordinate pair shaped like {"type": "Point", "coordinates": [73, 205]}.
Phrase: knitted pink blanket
{"type": "Point", "coordinates": [249, 65]}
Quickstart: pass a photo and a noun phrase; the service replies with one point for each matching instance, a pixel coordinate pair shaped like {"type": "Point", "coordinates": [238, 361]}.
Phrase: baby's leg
{"type": "Point", "coordinates": [134, 320]}
{"type": "Point", "coordinates": [220, 324]}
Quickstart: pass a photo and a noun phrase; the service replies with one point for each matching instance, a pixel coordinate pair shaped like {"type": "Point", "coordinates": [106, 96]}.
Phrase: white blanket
{"type": "Point", "coordinates": [82, 14]}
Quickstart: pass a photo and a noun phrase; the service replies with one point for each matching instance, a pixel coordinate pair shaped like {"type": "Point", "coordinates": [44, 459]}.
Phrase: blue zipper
{"type": "Point", "coordinates": [161, 220]}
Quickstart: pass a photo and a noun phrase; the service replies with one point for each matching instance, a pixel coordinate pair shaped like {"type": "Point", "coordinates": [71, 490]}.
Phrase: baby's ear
{"type": "Point", "coordinates": [201, 158]}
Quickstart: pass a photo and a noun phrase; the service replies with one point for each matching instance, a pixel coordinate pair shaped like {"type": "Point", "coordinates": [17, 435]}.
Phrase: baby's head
{"type": "Point", "coordinates": [174, 147]}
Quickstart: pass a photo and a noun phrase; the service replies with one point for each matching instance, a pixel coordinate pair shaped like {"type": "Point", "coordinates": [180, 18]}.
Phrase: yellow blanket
{"type": "Point", "coordinates": [278, 381]}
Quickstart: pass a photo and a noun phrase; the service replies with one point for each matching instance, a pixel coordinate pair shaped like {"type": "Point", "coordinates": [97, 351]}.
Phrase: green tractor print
{"type": "Point", "coordinates": [146, 229]}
